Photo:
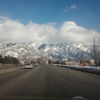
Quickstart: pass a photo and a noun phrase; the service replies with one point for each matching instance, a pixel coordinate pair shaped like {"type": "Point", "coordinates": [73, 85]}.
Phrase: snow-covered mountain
{"type": "Point", "coordinates": [18, 50]}
{"type": "Point", "coordinates": [65, 50]}
{"type": "Point", "coordinates": [49, 51]}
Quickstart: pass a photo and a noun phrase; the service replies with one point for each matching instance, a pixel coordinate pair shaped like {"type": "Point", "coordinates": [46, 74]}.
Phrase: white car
{"type": "Point", "coordinates": [28, 66]}
{"type": "Point", "coordinates": [37, 64]}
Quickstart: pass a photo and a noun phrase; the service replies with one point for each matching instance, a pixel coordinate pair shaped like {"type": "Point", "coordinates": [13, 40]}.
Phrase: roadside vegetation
{"type": "Point", "coordinates": [8, 60]}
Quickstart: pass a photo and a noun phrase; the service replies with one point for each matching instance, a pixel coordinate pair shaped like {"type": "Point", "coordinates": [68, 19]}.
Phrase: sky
{"type": "Point", "coordinates": [50, 21]}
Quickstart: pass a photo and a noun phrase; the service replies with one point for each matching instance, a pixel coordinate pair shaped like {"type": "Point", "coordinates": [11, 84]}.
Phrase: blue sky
{"type": "Point", "coordinates": [84, 13]}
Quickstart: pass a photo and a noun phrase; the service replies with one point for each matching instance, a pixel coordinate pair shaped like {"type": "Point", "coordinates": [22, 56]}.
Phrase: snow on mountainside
{"type": "Point", "coordinates": [49, 51]}
{"type": "Point", "coordinates": [19, 50]}
{"type": "Point", "coordinates": [65, 50]}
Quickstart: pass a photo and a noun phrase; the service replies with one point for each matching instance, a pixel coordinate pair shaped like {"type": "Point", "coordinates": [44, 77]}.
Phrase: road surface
{"type": "Point", "coordinates": [48, 81]}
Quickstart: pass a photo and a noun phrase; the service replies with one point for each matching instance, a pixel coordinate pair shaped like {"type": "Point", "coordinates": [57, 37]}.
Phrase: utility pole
{"type": "Point", "coordinates": [94, 51]}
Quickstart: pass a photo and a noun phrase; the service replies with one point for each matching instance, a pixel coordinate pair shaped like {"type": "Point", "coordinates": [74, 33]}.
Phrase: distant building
{"type": "Point", "coordinates": [46, 62]}
{"type": "Point", "coordinates": [64, 60]}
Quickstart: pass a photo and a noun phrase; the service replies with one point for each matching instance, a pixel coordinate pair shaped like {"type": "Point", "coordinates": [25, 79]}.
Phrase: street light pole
{"type": "Point", "coordinates": [94, 51]}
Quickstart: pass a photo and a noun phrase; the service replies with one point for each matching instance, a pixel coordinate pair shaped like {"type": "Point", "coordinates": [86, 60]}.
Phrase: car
{"type": "Point", "coordinates": [37, 64]}
{"type": "Point", "coordinates": [28, 66]}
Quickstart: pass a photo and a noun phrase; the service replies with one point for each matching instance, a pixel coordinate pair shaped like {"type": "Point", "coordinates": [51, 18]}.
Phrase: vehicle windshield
{"type": "Point", "coordinates": [50, 49]}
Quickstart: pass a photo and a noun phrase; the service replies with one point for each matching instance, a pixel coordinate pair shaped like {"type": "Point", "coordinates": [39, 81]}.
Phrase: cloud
{"type": "Point", "coordinates": [71, 7]}
{"type": "Point", "coordinates": [14, 30]}
{"type": "Point", "coordinates": [70, 32]}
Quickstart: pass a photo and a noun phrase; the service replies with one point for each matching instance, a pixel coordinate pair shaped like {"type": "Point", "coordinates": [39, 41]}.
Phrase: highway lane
{"type": "Point", "coordinates": [49, 81]}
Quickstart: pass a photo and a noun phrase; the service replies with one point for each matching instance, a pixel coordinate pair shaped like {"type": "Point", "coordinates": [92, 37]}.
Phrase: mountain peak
{"type": "Point", "coordinates": [48, 51]}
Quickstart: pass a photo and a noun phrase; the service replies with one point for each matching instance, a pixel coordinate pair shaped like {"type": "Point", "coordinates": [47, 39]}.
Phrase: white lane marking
{"type": "Point", "coordinates": [26, 76]}
{"type": "Point", "coordinates": [31, 72]}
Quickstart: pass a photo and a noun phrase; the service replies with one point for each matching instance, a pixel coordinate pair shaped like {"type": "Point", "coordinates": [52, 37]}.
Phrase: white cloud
{"type": "Point", "coordinates": [14, 30]}
{"type": "Point", "coordinates": [72, 33]}
{"type": "Point", "coordinates": [71, 7]}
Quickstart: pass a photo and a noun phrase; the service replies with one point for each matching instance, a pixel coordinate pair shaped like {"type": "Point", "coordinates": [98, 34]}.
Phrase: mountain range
{"type": "Point", "coordinates": [48, 51]}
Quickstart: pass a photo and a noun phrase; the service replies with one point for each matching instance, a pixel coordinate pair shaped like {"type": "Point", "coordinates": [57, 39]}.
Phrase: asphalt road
{"type": "Point", "coordinates": [48, 81]}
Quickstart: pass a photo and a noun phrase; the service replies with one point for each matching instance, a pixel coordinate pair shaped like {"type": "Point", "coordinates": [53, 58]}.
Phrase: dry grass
{"type": "Point", "coordinates": [8, 65]}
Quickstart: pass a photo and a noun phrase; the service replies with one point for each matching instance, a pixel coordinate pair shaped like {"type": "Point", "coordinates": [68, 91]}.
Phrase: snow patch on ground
{"type": "Point", "coordinates": [85, 67]}
{"type": "Point", "coordinates": [88, 67]}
